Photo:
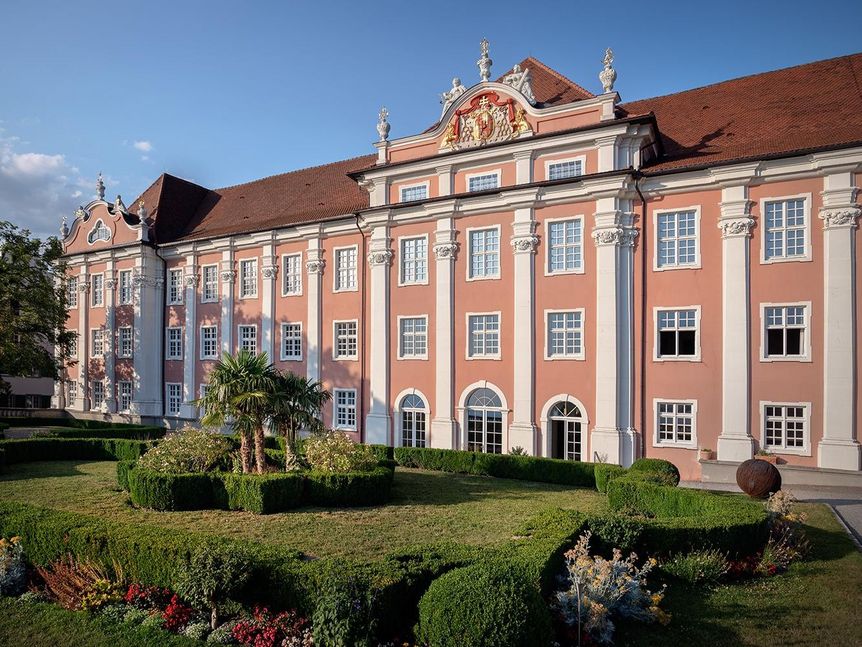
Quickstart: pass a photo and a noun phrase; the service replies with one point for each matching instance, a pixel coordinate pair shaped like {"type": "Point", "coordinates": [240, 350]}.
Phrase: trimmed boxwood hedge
{"type": "Point", "coordinates": [131, 433]}
{"type": "Point", "coordinates": [605, 473]}
{"type": "Point", "coordinates": [79, 423]}
{"type": "Point", "coordinates": [58, 449]}
{"type": "Point", "coordinates": [663, 471]}
{"type": "Point", "coordinates": [350, 489]}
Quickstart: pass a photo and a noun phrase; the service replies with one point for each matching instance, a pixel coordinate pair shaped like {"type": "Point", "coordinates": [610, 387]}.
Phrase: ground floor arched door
{"type": "Point", "coordinates": [566, 427]}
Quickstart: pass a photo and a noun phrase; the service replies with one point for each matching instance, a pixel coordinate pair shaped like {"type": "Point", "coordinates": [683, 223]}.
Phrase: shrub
{"type": "Point", "coordinates": [63, 449]}
{"type": "Point", "coordinates": [128, 433]}
{"type": "Point", "coordinates": [135, 616]}
{"type": "Point", "coordinates": [383, 452]}
{"type": "Point", "coordinates": [258, 493]}
{"type": "Point", "coordinates": [349, 489]}
{"type": "Point", "coordinates": [334, 452]}
{"type": "Point", "coordinates": [211, 576]}
{"type": "Point", "coordinates": [222, 635]}
{"type": "Point", "coordinates": [79, 584]}
{"type": "Point", "coordinates": [188, 450]}
{"type": "Point", "coordinates": [605, 473]}
{"type": "Point", "coordinates": [698, 567]}
{"type": "Point", "coordinates": [345, 610]}
{"type": "Point", "coordinates": [123, 469]}
{"type": "Point", "coordinates": [264, 629]}
{"type": "Point", "coordinates": [484, 605]}
{"type": "Point", "coordinates": [664, 470]}
{"type": "Point", "coordinates": [196, 630]}
{"type": "Point", "coordinates": [13, 573]}
{"type": "Point", "coordinates": [615, 531]}
{"type": "Point", "coordinates": [150, 489]}
{"type": "Point", "coordinates": [176, 615]}
{"type": "Point", "coordinates": [114, 612]}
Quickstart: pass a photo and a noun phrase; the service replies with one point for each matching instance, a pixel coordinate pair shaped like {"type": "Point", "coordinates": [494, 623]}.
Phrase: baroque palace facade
{"type": "Point", "coordinates": [544, 268]}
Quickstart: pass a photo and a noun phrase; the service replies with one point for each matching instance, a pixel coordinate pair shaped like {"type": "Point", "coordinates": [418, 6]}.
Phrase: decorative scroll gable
{"type": "Point", "coordinates": [487, 118]}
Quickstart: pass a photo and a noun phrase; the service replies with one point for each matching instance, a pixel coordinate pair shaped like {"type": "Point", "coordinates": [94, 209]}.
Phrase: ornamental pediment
{"type": "Point", "coordinates": [485, 119]}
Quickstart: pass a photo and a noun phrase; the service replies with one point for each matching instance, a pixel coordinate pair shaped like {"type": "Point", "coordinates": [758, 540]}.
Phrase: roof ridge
{"type": "Point", "coordinates": [299, 170]}
{"type": "Point", "coordinates": [744, 76]}
{"type": "Point", "coordinates": [559, 75]}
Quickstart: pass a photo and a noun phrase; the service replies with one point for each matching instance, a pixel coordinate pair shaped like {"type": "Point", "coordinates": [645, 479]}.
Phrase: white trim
{"type": "Point", "coordinates": [806, 334]}
{"type": "Point", "coordinates": [120, 352]}
{"type": "Point", "coordinates": [761, 216]}
{"type": "Point", "coordinates": [469, 260]}
{"type": "Point", "coordinates": [174, 271]}
{"type": "Point", "coordinates": [202, 345]}
{"type": "Point", "coordinates": [335, 250]}
{"type": "Point", "coordinates": [239, 328]}
{"type": "Point", "coordinates": [396, 412]}
{"type": "Point", "coordinates": [346, 358]}
{"type": "Point", "coordinates": [462, 411]}
{"type": "Point", "coordinates": [546, 431]}
{"type": "Point", "coordinates": [577, 356]}
{"type": "Point", "coordinates": [203, 283]}
{"type": "Point", "coordinates": [281, 355]}
{"type": "Point", "coordinates": [495, 357]}
{"type": "Point", "coordinates": [95, 226]}
{"type": "Point", "coordinates": [92, 354]}
{"type": "Point", "coordinates": [284, 274]}
{"type": "Point", "coordinates": [168, 356]}
{"type": "Point", "coordinates": [697, 335]}
{"type": "Point", "coordinates": [498, 172]}
{"type": "Point", "coordinates": [423, 356]}
{"type": "Point", "coordinates": [401, 282]}
{"type": "Point", "coordinates": [131, 287]}
{"type": "Point", "coordinates": [91, 278]}
{"type": "Point", "coordinates": [692, 444]}
{"type": "Point", "coordinates": [400, 188]}
{"type": "Point", "coordinates": [805, 450]}
{"type": "Point", "coordinates": [547, 245]}
{"type": "Point", "coordinates": [239, 265]}
{"type": "Point", "coordinates": [562, 160]}
{"type": "Point", "coordinates": [697, 240]}
{"type": "Point", "coordinates": [168, 412]}
{"type": "Point", "coordinates": [355, 426]}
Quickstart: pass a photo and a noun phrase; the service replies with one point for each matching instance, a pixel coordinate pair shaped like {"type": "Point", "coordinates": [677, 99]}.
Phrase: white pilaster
{"type": "Point", "coordinates": [444, 180]}
{"type": "Point", "coordinates": [839, 448]}
{"type": "Point", "coordinates": [190, 345]}
{"type": "Point", "coordinates": [523, 167]}
{"type": "Point", "coordinates": [269, 273]}
{"type": "Point", "coordinates": [314, 265]}
{"type": "Point", "coordinates": [377, 422]}
{"type": "Point", "coordinates": [443, 427]}
{"type": "Point", "coordinates": [735, 442]}
{"type": "Point", "coordinates": [522, 431]}
{"type": "Point", "coordinates": [149, 337]}
{"type": "Point", "coordinates": [228, 286]}
{"type": "Point", "coordinates": [82, 400]}
{"type": "Point", "coordinates": [607, 147]}
{"type": "Point", "coordinates": [109, 404]}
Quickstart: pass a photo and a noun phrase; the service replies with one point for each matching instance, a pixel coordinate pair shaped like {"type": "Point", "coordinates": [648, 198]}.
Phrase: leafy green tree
{"type": "Point", "coordinates": [295, 403]}
{"type": "Point", "coordinates": [238, 390]}
{"type": "Point", "coordinates": [33, 306]}
{"type": "Point", "coordinates": [211, 576]}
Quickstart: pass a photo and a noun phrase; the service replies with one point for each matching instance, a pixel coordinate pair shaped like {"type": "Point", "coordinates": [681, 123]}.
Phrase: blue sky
{"type": "Point", "coordinates": [224, 92]}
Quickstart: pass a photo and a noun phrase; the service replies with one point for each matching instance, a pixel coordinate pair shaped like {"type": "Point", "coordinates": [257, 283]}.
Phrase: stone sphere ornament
{"type": "Point", "coordinates": [758, 479]}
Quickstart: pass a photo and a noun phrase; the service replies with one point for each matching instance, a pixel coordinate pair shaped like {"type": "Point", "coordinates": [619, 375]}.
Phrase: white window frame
{"type": "Point", "coordinates": [697, 335]}
{"type": "Point", "coordinates": [401, 241]}
{"type": "Point", "coordinates": [548, 222]}
{"type": "Point", "coordinates": [120, 352]}
{"type": "Point", "coordinates": [94, 292]}
{"type": "Point", "coordinates": [175, 272]}
{"type": "Point", "coordinates": [576, 356]}
{"type": "Point", "coordinates": [203, 354]}
{"type": "Point", "coordinates": [563, 160]}
{"type": "Point", "coordinates": [469, 176]}
{"type": "Point", "coordinates": [120, 395]}
{"type": "Point", "coordinates": [168, 411]}
{"type": "Point", "coordinates": [100, 225]}
{"type": "Point", "coordinates": [805, 450]}
{"type": "Point", "coordinates": [335, 425]}
{"type": "Point", "coordinates": [125, 288]}
{"type": "Point", "coordinates": [806, 210]}
{"type": "Point", "coordinates": [239, 338]}
{"type": "Point", "coordinates": [101, 332]}
{"type": "Point", "coordinates": [656, 442]}
{"type": "Point", "coordinates": [168, 355]}
{"type": "Point", "coordinates": [335, 272]}
{"type": "Point", "coordinates": [292, 358]}
{"type": "Point", "coordinates": [806, 334]}
{"type": "Point", "coordinates": [72, 283]}
{"type": "Point", "coordinates": [335, 355]}
{"type": "Point", "coordinates": [204, 284]}
{"type": "Point", "coordinates": [415, 185]}
{"type": "Point", "coordinates": [202, 389]}
{"type": "Point", "coordinates": [93, 405]}
{"type": "Point", "coordinates": [420, 356]}
{"type": "Point", "coordinates": [284, 275]}
{"type": "Point", "coordinates": [486, 277]}
{"type": "Point", "coordinates": [696, 265]}
{"type": "Point", "coordinates": [498, 355]}
{"type": "Point", "coordinates": [241, 262]}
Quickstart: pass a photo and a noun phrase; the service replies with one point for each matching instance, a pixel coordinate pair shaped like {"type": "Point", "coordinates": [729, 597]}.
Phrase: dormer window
{"type": "Point", "coordinates": [99, 232]}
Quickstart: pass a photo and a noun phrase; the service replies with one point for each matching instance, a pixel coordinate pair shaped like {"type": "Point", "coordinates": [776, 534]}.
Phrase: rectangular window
{"type": "Point", "coordinates": [345, 409]}
{"type": "Point", "coordinates": [124, 395]}
{"type": "Point", "coordinates": [785, 427]}
{"type": "Point", "coordinates": [203, 390]}
{"type": "Point", "coordinates": [73, 349]}
{"type": "Point", "coordinates": [411, 193]}
{"type": "Point", "coordinates": [73, 392]}
{"type": "Point", "coordinates": [785, 229]}
{"type": "Point", "coordinates": [248, 339]}
{"type": "Point", "coordinates": [174, 398]}
{"type": "Point", "coordinates": [125, 343]}
{"type": "Point", "coordinates": [483, 182]}
{"type": "Point", "coordinates": [97, 347]}
{"type": "Point", "coordinates": [565, 169]}
{"type": "Point", "coordinates": [565, 251]}
{"type": "Point", "coordinates": [98, 290]}
{"type": "Point", "coordinates": [785, 332]}
{"type": "Point", "coordinates": [345, 269]}
{"type": "Point", "coordinates": [484, 253]}
{"type": "Point", "coordinates": [291, 282]}
{"type": "Point", "coordinates": [484, 335]}
{"type": "Point", "coordinates": [125, 287]}
{"type": "Point", "coordinates": [291, 341]}
{"type": "Point", "coordinates": [98, 395]}
{"type": "Point", "coordinates": [209, 342]}
{"type": "Point", "coordinates": [677, 239]}
{"type": "Point", "coordinates": [209, 289]}
{"type": "Point", "coordinates": [248, 278]}
{"type": "Point", "coordinates": [346, 345]}
{"type": "Point", "coordinates": [675, 423]}
{"type": "Point", "coordinates": [414, 260]}
{"type": "Point", "coordinates": [175, 286]}
{"type": "Point", "coordinates": [677, 334]}
{"type": "Point", "coordinates": [565, 334]}
{"type": "Point", "coordinates": [72, 292]}
{"type": "Point", "coordinates": [413, 337]}
{"type": "Point", "coordinates": [175, 343]}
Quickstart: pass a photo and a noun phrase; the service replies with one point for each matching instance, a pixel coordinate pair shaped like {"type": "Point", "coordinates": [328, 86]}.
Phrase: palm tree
{"type": "Point", "coordinates": [238, 389]}
{"type": "Point", "coordinates": [295, 403]}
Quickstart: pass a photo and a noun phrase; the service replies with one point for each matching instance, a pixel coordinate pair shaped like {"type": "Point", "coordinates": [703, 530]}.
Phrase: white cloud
{"type": "Point", "coordinates": [143, 145]}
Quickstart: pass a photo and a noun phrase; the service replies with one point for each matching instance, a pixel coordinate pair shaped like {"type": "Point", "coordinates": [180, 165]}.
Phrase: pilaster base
{"type": "Point", "coordinates": [605, 446]}
{"type": "Point", "coordinates": [147, 408]}
{"type": "Point", "coordinates": [81, 404]}
{"type": "Point", "coordinates": [377, 429]}
{"type": "Point", "coordinates": [188, 411]}
{"type": "Point", "coordinates": [523, 435]}
{"type": "Point", "coordinates": [109, 405]}
{"type": "Point", "coordinates": [839, 455]}
{"type": "Point", "coordinates": [443, 432]}
{"type": "Point", "coordinates": [630, 441]}
{"type": "Point", "coordinates": [735, 448]}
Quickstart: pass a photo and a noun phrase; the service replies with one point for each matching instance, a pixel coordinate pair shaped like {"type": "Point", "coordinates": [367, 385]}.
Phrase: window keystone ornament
{"type": "Point", "coordinates": [623, 237]}
{"type": "Point", "coordinates": [841, 217]}
{"type": "Point", "coordinates": [315, 266]}
{"type": "Point", "coordinates": [380, 257]}
{"type": "Point", "coordinates": [736, 227]}
{"type": "Point", "coordinates": [525, 244]}
{"type": "Point", "coordinates": [445, 251]}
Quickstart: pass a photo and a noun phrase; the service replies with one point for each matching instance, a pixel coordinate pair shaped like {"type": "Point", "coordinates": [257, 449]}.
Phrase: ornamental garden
{"type": "Point", "coordinates": [126, 535]}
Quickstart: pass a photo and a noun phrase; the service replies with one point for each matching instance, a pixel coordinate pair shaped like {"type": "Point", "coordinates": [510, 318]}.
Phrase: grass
{"type": "Point", "coordinates": [426, 507]}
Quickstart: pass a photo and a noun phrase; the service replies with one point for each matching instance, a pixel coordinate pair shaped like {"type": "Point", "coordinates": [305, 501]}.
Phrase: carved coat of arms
{"type": "Point", "coordinates": [485, 120]}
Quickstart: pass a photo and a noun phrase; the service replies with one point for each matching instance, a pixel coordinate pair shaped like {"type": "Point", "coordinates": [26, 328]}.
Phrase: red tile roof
{"type": "Point", "coordinates": [780, 113]}
{"type": "Point", "coordinates": [549, 86]}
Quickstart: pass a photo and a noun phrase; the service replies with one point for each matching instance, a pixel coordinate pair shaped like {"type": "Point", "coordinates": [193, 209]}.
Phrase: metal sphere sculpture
{"type": "Point", "coordinates": [758, 479]}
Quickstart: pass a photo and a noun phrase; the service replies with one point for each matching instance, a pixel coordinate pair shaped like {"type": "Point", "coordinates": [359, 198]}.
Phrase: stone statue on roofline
{"type": "Point", "coordinates": [608, 75]}
{"type": "Point", "coordinates": [521, 80]}
{"type": "Point", "coordinates": [448, 98]}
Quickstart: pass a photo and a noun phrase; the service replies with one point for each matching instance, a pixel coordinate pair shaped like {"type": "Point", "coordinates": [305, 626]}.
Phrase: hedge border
{"type": "Point", "coordinates": [28, 450]}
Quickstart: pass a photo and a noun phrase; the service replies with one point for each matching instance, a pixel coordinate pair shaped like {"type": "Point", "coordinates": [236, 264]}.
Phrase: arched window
{"type": "Point", "coordinates": [484, 422]}
{"type": "Point", "coordinates": [414, 418]}
{"type": "Point", "coordinates": [99, 232]}
{"type": "Point", "coordinates": [565, 423]}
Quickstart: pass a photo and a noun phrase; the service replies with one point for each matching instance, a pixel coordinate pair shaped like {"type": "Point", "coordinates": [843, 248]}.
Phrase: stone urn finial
{"type": "Point", "coordinates": [608, 75]}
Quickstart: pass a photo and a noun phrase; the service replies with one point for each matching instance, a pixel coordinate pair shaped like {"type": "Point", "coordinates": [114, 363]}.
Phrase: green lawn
{"type": "Point", "coordinates": [426, 507]}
